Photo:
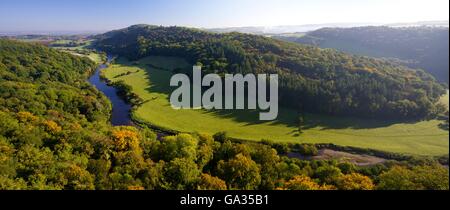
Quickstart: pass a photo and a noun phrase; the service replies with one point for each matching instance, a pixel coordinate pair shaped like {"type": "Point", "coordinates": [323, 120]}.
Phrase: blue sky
{"type": "Point", "coordinates": [101, 15]}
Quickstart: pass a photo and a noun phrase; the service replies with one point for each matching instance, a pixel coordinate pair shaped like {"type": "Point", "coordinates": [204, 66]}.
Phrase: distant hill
{"type": "Point", "coordinates": [417, 47]}
{"type": "Point", "coordinates": [284, 29]}
{"type": "Point", "coordinates": [312, 27]}
{"type": "Point", "coordinates": [311, 79]}
{"type": "Point", "coordinates": [442, 23]}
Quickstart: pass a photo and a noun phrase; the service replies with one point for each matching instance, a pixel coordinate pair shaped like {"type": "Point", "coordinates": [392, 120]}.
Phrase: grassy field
{"type": "Point", "coordinates": [95, 57]}
{"type": "Point", "coordinates": [83, 45]}
{"type": "Point", "coordinates": [81, 50]}
{"type": "Point", "coordinates": [420, 138]}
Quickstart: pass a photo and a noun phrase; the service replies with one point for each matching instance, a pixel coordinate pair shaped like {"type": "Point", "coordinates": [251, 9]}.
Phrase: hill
{"type": "Point", "coordinates": [311, 79]}
{"type": "Point", "coordinates": [288, 29]}
{"type": "Point", "coordinates": [417, 47]}
{"type": "Point", "coordinates": [49, 115]}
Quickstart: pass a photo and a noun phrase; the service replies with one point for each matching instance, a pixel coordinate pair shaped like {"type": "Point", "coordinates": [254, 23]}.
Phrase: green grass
{"type": "Point", "coordinates": [152, 85]}
{"type": "Point", "coordinates": [83, 45]}
{"type": "Point", "coordinates": [97, 58]}
{"type": "Point", "coordinates": [293, 35]}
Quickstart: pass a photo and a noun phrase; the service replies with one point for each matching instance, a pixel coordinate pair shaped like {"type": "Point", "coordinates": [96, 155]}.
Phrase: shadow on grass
{"type": "Point", "coordinates": [160, 80]}
{"type": "Point", "coordinates": [336, 122]}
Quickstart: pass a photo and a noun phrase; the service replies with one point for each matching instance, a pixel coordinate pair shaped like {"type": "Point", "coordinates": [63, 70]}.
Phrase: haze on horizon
{"type": "Point", "coordinates": [103, 15]}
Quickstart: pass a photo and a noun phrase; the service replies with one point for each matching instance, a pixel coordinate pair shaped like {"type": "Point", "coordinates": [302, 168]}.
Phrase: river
{"type": "Point", "coordinates": [121, 110]}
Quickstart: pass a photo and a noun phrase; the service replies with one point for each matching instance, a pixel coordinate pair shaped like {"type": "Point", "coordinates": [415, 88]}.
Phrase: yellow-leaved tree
{"type": "Point", "coordinates": [355, 181]}
{"type": "Point", "coordinates": [126, 139]}
{"type": "Point", "coordinates": [303, 182]}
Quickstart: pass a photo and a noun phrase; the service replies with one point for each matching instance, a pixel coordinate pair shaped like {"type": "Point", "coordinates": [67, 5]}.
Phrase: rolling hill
{"type": "Point", "coordinates": [417, 47]}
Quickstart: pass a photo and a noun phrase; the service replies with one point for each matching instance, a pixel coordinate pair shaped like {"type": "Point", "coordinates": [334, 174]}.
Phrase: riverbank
{"type": "Point", "coordinates": [121, 110]}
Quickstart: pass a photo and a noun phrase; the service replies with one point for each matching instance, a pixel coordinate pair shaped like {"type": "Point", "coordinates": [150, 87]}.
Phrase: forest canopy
{"type": "Point", "coordinates": [55, 135]}
{"type": "Point", "coordinates": [417, 47]}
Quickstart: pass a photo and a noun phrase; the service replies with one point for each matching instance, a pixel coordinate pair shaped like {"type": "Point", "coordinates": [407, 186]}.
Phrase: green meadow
{"type": "Point", "coordinates": [82, 50]}
{"type": "Point", "coordinates": [152, 85]}
{"type": "Point", "coordinates": [97, 58]}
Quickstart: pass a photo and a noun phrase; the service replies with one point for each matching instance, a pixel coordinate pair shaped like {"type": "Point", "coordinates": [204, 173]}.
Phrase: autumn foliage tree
{"type": "Point", "coordinates": [304, 183]}
{"type": "Point", "coordinates": [417, 178]}
{"type": "Point", "coordinates": [126, 139]}
{"type": "Point", "coordinates": [241, 172]}
{"type": "Point", "coordinates": [355, 181]}
{"type": "Point", "coordinates": [208, 182]}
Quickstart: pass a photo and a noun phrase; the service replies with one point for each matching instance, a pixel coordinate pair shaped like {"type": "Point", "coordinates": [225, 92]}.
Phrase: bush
{"type": "Point", "coordinates": [221, 137]}
{"type": "Point", "coordinates": [307, 149]}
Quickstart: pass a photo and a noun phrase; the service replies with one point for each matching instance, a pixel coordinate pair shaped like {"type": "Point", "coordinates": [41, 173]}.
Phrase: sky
{"type": "Point", "coordinates": [103, 15]}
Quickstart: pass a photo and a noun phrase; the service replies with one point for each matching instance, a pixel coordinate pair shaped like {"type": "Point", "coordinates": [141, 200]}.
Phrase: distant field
{"type": "Point", "coordinates": [95, 57]}
{"type": "Point", "coordinates": [83, 45]}
{"type": "Point", "coordinates": [421, 138]}
{"type": "Point", "coordinates": [81, 50]}
{"type": "Point", "coordinates": [62, 41]}
{"type": "Point", "coordinates": [292, 35]}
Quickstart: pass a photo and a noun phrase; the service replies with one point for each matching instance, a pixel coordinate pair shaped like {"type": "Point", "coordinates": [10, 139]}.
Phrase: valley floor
{"type": "Point", "coordinates": [152, 85]}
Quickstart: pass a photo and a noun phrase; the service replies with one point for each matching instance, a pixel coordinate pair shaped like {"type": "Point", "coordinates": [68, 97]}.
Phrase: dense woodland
{"type": "Point", "coordinates": [55, 134]}
{"type": "Point", "coordinates": [417, 47]}
{"type": "Point", "coordinates": [311, 79]}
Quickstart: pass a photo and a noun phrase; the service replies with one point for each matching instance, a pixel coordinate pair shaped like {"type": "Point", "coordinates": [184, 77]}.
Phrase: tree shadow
{"type": "Point", "coordinates": [159, 79]}
{"type": "Point", "coordinates": [338, 122]}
